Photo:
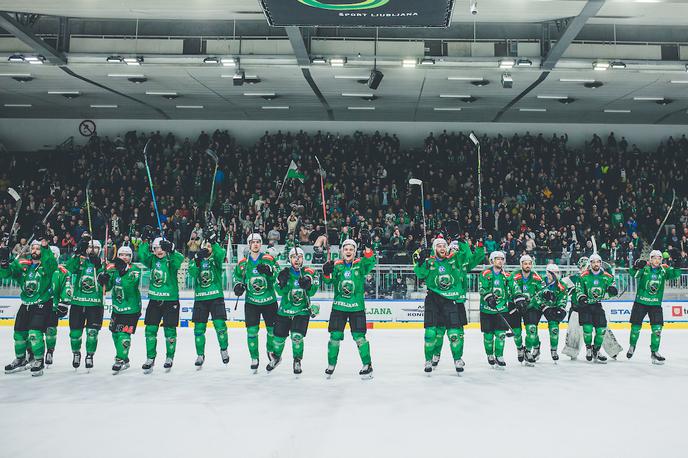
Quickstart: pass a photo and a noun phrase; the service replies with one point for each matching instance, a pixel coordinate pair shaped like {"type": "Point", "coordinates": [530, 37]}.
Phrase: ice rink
{"type": "Point", "coordinates": [572, 409]}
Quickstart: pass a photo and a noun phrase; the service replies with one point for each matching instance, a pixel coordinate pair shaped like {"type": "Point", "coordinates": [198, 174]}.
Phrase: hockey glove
{"type": "Point", "coordinates": [521, 302]}
{"type": "Point", "coordinates": [612, 291]}
{"type": "Point", "coordinates": [103, 278]}
{"type": "Point", "coordinates": [582, 300]}
{"type": "Point", "coordinates": [283, 277]}
{"type": "Point", "coordinates": [328, 268]}
{"type": "Point", "coordinates": [305, 282]}
{"type": "Point", "coordinates": [491, 301]}
{"type": "Point", "coordinates": [95, 260]}
{"type": "Point", "coordinates": [5, 255]}
{"type": "Point", "coordinates": [422, 256]}
{"type": "Point", "coordinates": [555, 314]}
{"type": "Point", "coordinates": [81, 247]}
{"type": "Point", "coordinates": [264, 269]}
{"type": "Point", "coordinates": [315, 309]}
{"type": "Point", "coordinates": [239, 289]}
{"type": "Point", "coordinates": [212, 237]}
{"type": "Point", "coordinates": [167, 246]}
{"type": "Point", "coordinates": [61, 311]}
{"type": "Point", "coordinates": [548, 295]}
{"type": "Point", "coordinates": [639, 264]}
{"type": "Point", "coordinates": [512, 308]}
{"type": "Point", "coordinates": [148, 233]}
{"type": "Point", "coordinates": [121, 266]}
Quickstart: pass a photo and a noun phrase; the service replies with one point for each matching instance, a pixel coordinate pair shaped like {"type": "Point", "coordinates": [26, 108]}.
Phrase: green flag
{"type": "Point", "coordinates": [293, 172]}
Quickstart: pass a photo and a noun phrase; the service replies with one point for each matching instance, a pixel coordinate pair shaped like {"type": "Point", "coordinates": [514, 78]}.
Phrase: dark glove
{"type": "Point", "coordinates": [521, 302]}
{"type": "Point", "coordinates": [491, 300]}
{"type": "Point", "coordinates": [612, 290]}
{"type": "Point", "coordinates": [203, 253]}
{"type": "Point", "coordinates": [167, 246]}
{"type": "Point", "coordinates": [39, 231]}
{"type": "Point", "coordinates": [328, 268]}
{"type": "Point", "coordinates": [95, 260]}
{"type": "Point", "coordinates": [264, 269]}
{"type": "Point", "coordinates": [121, 266]}
{"type": "Point", "coordinates": [555, 314]}
{"type": "Point", "coordinates": [103, 278]}
{"type": "Point", "coordinates": [512, 307]}
{"type": "Point", "coordinates": [211, 237]}
{"type": "Point", "coordinates": [239, 289]}
{"type": "Point", "coordinates": [583, 300]}
{"type": "Point", "coordinates": [548, 295]}
{"type": "Point", "coordinates": [365, 239]}
{"type": "Point", "coordinates": [422, 256]}
{"type": "Point", "coordinates": [61, 311]}
{"type": "Point", "coordinates": [81, 247]}
{"type": "Point", "coordinates": [283, 277]}
{"type": "Point", "coordinates": [148, 233]}
{"type": "Point", "coordinates": [305, 282]}
{"type": "Point", "coordinates": [5, 254]}
{"type": "Point", "coordinates": [87, 237]}
{"type": "Point", "coordinates": [639, 264]}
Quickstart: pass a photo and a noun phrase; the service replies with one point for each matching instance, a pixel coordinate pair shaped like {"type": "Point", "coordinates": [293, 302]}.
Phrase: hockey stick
{"type": "Point", "coordinates": [18, 200]}
{"type": "Point", "coordinates": [150, 185]}
{"type": "Point", "coordinates": [475, 141]}
{"type": "Point", "coordinates": [324, 205]}
{"type": "Point", "coordinates": [416, 181]}
{"type": "Point", "coordinates": [31, 237]}
{"type": "Point", "coordinates": [216, 159]}
{"type": "Point", "coordinates": [510, 332]}
{"type": "Point", "coordinates": [659, 229]}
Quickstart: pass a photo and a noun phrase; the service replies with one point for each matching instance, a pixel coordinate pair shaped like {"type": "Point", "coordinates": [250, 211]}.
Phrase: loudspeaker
{"type": "Point", "coordinates": [375, 79]}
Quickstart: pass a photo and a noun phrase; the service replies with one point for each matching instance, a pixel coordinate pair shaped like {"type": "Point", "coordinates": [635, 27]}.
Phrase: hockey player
{"type": "Point", "coordinates": [648, 301]}
{"type": "Point", "coordinates": [123, 279]}
{"type": "Point", "coordinates": [87, 308]}
{"type": "Point", "coordinates": [296, 284]}
{"type": "Point", "coordinates": [209, 300]}
{"type": "Point", "coordinates": [470, 261]}
{"type": "Point", "coordinates": [347, 275]}
{"type": "Point", "coordinates": [550, 302]}
{"type": "Point", "coordinates": [526, 286]}
{"type": "Point", "coordinates": [255, 275]}
{"type": "Point", "coordinates": [494, 311]}
{"type": "Point", "coordinates": [59, 309]}
{"type": "Point", "coordinates": [593, 287]}
{"type": "Point", "coordinates": [444, 273]}
{"type": "Point", "coordinates": [33, 276]}
{"type": "Point", "coordinates": [163, 297]}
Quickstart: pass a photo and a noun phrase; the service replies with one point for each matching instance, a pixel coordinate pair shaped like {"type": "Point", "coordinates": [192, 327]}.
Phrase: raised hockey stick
{"type": "Point", "coordinates": [216, 159]}
{"type": "Point", "coordinates": [18, 201]}
{"type": "Point", "coordinates": [659, 229]}
{"type": "Point", "coordinates": [476, 142]}
{"type": "Point", "coordinates": [150, 185]}
{"type": "Point", "coordinates": [419, 182]}
{"type": "Point", "coordinates": [324, 205]}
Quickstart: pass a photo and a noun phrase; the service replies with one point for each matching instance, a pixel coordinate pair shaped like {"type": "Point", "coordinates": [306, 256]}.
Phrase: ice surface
{"type": "Point", "coordinates": [624, 409]}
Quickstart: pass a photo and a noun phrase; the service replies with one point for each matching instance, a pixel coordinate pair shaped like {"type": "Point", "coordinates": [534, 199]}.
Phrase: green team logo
{"type": "Point", "coordinates": [597, 293]}
{"type": "Point", "coordinates": [258, 285]}
{"type": "Point", "coordinates": [444, 282]}
{"type": "Point", "coordinates": [206, 278]}
{"type": "Point", "coordinates": [653, 286]}
{"type": "Point", "coordinates": [362, 5]}
{"type": "Point", "coordinates": [117, 294]}
{"type": "Point", "coordinates": [69, 288]}
{"type": "Point", "coordinates": [297, 296]}
{"type": "Point", "coordinates": [158, 278]}
{"type": "Point", "coordinates": [498, 292]}
{"type": "Point", "coordinates": [88, 284]}
{"type": "Point", "coordinates": [348, 287]}
{"type": "Point", "coordinates": [31, 287]}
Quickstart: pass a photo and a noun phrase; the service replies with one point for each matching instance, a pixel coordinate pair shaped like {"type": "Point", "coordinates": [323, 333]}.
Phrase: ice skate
{"type": "Point", "coordinates": [366, 372]}
{"type": "Point", "coordinates": [76, 359]}
{"type": "Point", "coordinates": [168, 364]}
{"type": "Point", "coordinates": [428, 367]}
{"type": "Point", "coordinates": [631, 350]}
{"type": "Point", "coordinates": [88, 362]}
{"type": "Point", "coordinates": [435, 361]}
{"type": "Point", "coordinates": [148, 365]}
{"type": "Point", "coordinates": [49, 357]}
{"type": "Point", "coordinates": [491, 360]}
{"type": "Point", "coordinates": [254, 365]}
{"type": "Point", "coordinates": [119, 366]}
{"type": "Point", "coordinates": [521, 354]}
{"type": "Point", "coordinates": [588, 352]}
{"type": "Point", "coordinates": [329, 371]}
{"type": "Point", "coordinates": [459, 365]}
{"type": "Point", "coordinates": [599, 357]}
{"type": "Point", "coordinates": [37, 368]}
{"type": "Point", "coordinates": [200, 359]}
{"type": "Point", "coordinates": [224, 354]}
{"type": "Point", "coordinates": [555, 355]}
{"type": "Point", "coordinates": [297, 366]}
{"type": "Point", "coordinates": [501, 364]}
{"type": "Point", "coordinates": [657, 358]}
{"type": "Point", "coordinates": [274, 362]}
{"type": "Point", "coordinates": [18, 365]}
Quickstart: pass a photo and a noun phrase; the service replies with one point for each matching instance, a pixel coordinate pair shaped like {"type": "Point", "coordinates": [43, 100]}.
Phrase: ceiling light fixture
{"type": "Point", "coordinates": [229, 61]}
{"type": "Point", "coordinates": [275, 107]}
{"type": "Point", "coordinates": [190, 107]}
{"type": "Point", "coordinates": [617, 64]}
{"type": "Point", "coordinates": [576, 80]}
{"type": "Point", "coordinates": [319, 61]}
{"type": "Point", "coordinates": [507, 64]}
{"type": "Point", "coordinates": [465, 78]}
{"type": "Point", "coordinates": [135, 61]}
{"type": "Point", "coordinates": [18, 105]}
{"type": "Point", "coordinates": [533, 109]}
{"type": "Point", "coordinates": [447, 109]}
{"type": "Point", "coordinates": [616, 111]}
{"type": "Point", "coordinates": [409, 63]}
{"type": "Point", "coordinates": [600, 65]}
{"type": "Point", "coordinates": [338, 61]}
{"type": "Point", "coordinates": [524, 63]}
{"type": "Point", "coordinates": [648, 99]}
{"type": "Point", "coordinates": [104, 106]}
{"type": "Point", "coordinates": [211, 60]}
{"type": "Point", "coordinates": [427, 61]}
{"type": "Point", "coordinates": [360, 108]}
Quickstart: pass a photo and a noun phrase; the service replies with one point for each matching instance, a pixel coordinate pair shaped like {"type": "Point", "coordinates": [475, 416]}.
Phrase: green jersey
{"type": "Point", "coordinates": [651, 283]}
{"type": "Point", "coordinates": [497, 283]}
{"type": "Point", "coordinates": [294, 298]}
{"type": "Point", "coordinates": [349, 282]}
{"type": "Point", "coordinates": [260, 289]}
{"type": "Point", "coordinates": [62, 286]}
{"type": "Point", "coordinates": [126, 295]}
{"type": "Point", "coordinates": [561, 295]}
{"type": "Point", "coordinates": [448, 276]}
{"type": "Point", "coordinates": [87, 292]}
{"type": "Point", "coordinates": [594, 285]}
{"type": "Point", "coordinates": [530, 286]}
{"type": "Point", "coordinates": [34, 278]}
{"type": "Point", "coordinates": [164, 285]}
{"type": "Point", "coordinates": [208, 275]}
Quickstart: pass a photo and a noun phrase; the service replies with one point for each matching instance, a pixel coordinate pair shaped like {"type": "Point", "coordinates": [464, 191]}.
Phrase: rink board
{"type": "Point", "coordinates": [386, 313]}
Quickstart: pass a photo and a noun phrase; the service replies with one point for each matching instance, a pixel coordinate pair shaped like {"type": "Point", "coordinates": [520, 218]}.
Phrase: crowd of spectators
{"type": "Point", "coordinates": [540, 195]}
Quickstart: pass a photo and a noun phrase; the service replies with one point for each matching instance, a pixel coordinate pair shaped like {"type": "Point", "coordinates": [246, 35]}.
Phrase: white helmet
{"type": "Point", "coordinates": [552, 268]}
{"type": "Point", "coordinates": [595, 257]}
{"type": "Point", "coordinates": [655, 253]}
{"type": "Point", "coordinates": [254, 236]}
{"type": "Point", "coordinates": [96, 244]}
{"type": "Point", "coordinates": [296, 251]}
{"type": "Point", "coordinates": [496, 254]}
{"type": "Point", "coordinates": [350, 242]}
{"type": "Point", "coordinates": [156, 242]}
{"type": "Point", "coordinates": [124, 250]}
{"type": "Point", "coordinates": [524, 258]}
{"type": "Point", "coordinates": [55, 250]}
{"type": "Point", "coordinates": [438, 241]}
{"type": "Point", "coordinates": [35, 242]}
